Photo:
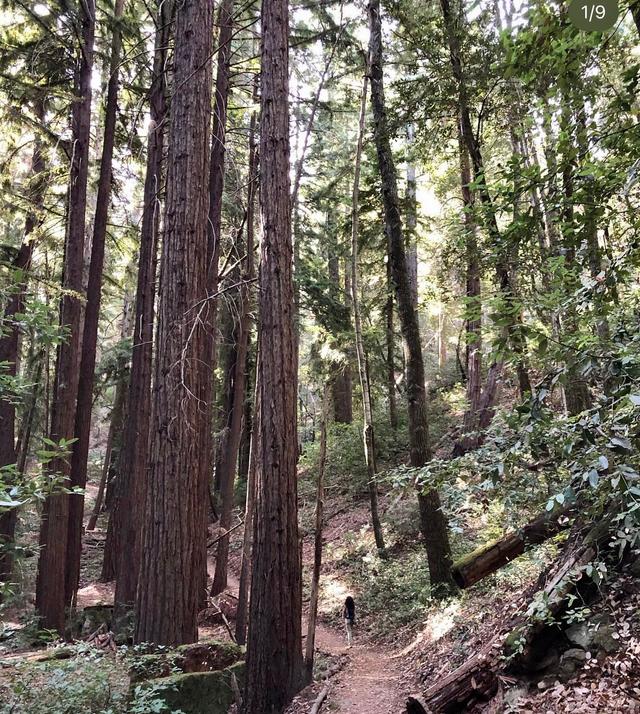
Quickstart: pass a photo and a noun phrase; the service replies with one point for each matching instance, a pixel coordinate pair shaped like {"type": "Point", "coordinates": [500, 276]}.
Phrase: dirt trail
{"type": "Point", "coordinates": [367, 683]}
{"type": "Point", "coordinates": [369, 680]}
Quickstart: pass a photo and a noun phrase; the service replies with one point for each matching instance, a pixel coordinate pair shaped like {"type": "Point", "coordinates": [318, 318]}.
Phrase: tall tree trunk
{"type": "Point", "coordinates": [9, 341]}
{"type": "Point", "coordinates": [432, 521]}
{"type": "Point", "coordinates": [174, 528]}
{"type": "Point", "coordinates": [274, 649]}
{"type": "Point", "coordinates": [367, 411]}
{"type": "Point", "coordinates": [513, 331]}
{"type": "Point", "coordinates": [317, 542]}
{"type": "Point", "coordinates": [80, 454]}
{"type": "Point", "coordinates": [127, 511]}
{"type": "Point", "coordinates": [229, 460]}
{"type": "Point", "coordinates": [52, 563]}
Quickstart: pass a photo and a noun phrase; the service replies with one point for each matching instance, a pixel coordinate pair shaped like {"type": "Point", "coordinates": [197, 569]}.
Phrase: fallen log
{"type": "Point", "coordinates": [416, 705]}
{"type": "Point", "coordinates": [473, 682]}
{"type": "Point", "coordinates": [477, 680]}
{"type": "Point", "coordinates": [490, 557]}
{"type": "Point", "coordinates": [528, 639]}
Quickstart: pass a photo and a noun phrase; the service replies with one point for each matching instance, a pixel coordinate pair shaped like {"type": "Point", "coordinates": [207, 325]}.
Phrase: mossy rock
{"type": "Point", "coordinates": [152, 666]}
{"type": "Point", "coordinates": [197, 692]}
{"type": "Point", "coordinates": [209, 656]}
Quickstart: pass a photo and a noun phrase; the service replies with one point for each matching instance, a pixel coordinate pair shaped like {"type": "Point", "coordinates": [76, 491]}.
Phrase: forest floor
{"type": "Point", "coordinates": [403, 647]}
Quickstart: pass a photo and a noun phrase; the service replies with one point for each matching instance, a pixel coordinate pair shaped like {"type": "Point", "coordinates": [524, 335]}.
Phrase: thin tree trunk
{"type": "Point", "coordinates": [473, 307]}
{"type": "Point", "coordinates": [432, 520]}
{"type": "Point", "coordinates": [118, 417]}
{"type": "Point", "coordinates": [52, 563]}
{"type": "Point", "coordinates": [390, 352]}
{"type": "Point", "coordinates": [412, 218]}
{"type": "Point", "coordinates": [80, 454]}
{"type": "Point", "coordinates": [249, 527]}
{"type": "Point", "coordinates": [274, 650]}
{"type": "Point", "coordinates": [174, 528]}
{"type": "Point", "coordinates": [229, 461]}
{"type": "Point", "coordinates": [130, 489]}
{"type": "Point", "coordinates": [317, 541]}
{"type": "Point", "coordinates": [9, 343]}
{"type": "Point", "coordinates": [367, 411]}
{"type": "Point", "coordinates": [26, 427]}
{"type": "Point", "coordinates": [114, 425]}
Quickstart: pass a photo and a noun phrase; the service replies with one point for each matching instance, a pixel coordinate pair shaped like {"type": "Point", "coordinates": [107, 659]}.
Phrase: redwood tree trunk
{"type": "Point", "coordinates": [274, 650]}
{"type": "Point", "coordinates": [128, 503]}
{"type": "Point", "coordinates": [432, 520]}
{"type": "Point", "coordinates": [174, 528]}
{"type": "Point", "coordinates": [80, 453]}
{"type": "Point", "coordinates": [9, 341]}
{"type": "Point", "coordinates": [50, 584]}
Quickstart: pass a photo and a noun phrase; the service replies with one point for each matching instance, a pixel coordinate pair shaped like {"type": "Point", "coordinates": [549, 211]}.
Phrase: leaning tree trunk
{"type": "Point", "coordinates": [174, 528]}
{"type": "Point", "coordinates": [274, 649]}
{"type": "Point", "coordinates": [9, 341]}
{"type": "Point", "coordinates": [367, 411]}
{"type": "Point", "coordinates": [80, 454]}
{"type": "Point", "coordinates": [128, 503]}
{"type": "Point", "coordinates": [52, 564]}
{"type": "Point", "coordinates": [432, 520]}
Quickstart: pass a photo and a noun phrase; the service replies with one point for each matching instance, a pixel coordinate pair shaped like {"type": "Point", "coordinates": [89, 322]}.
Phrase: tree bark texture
{"type": "Point", "coordinates": [174, 529]}
{"type": "Point", "coordinates": [274, 650]}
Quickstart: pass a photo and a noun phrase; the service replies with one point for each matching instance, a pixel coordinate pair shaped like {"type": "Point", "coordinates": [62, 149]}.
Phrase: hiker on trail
{"type": "Point", "coordinates": [349, 615]}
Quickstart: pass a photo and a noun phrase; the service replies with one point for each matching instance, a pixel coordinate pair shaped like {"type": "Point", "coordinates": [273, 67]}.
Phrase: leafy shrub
{"type": "Point", "coordinates": [89, 682]}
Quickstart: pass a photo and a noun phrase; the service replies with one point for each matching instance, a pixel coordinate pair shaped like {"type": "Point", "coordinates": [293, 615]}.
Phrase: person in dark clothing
{"type": "Point", "coordinates": [349, 616]}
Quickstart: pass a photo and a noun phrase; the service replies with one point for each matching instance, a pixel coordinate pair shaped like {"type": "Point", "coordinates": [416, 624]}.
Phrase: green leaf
{"type": "Point", "coordinates": [594, 478]}
{"type": "Point", "coordinates": [604, 462]}
{"type": "Point", "coordinates": [621, 442]}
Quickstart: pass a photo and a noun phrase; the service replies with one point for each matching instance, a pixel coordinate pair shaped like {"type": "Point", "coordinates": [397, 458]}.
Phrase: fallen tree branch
{"type": "Point", "coordinates": [225, 534]}
{"type": "Point", "coordinates": [317, 705]}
